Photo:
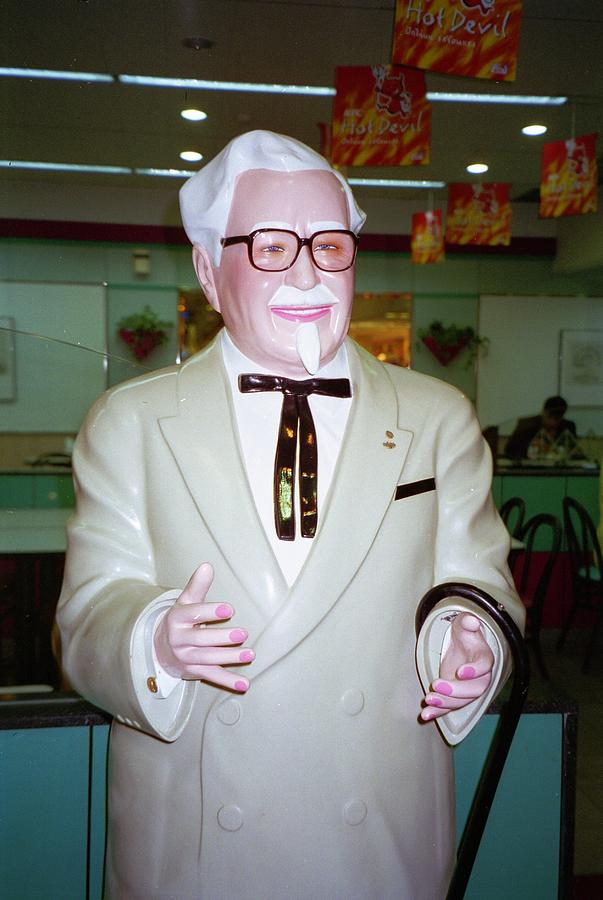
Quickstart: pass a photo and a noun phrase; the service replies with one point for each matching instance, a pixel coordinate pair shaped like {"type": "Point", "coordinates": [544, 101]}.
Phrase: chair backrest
{"type": "Point", "coordinates": [582, 542]}
{"type": "Point", "coordinates": [540, 533]}
{"type": "Point", "coordinates": [512, 512]}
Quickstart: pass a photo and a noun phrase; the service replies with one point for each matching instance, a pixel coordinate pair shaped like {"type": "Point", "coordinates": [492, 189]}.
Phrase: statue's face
{"type": "Point", "coordinates": [265, 327]}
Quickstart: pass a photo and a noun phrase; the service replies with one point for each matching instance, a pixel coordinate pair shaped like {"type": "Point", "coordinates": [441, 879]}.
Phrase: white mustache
{"type": "Point", "coordinates": [319, 295]}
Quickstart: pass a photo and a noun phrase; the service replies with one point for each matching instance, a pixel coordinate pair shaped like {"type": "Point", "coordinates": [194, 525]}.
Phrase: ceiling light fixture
{"type": "Point", "coordinates": [191, 156]}
{"type": "Point", "coordinates": [307, 90]}
{"type": "Point", "coordinates": [54, 74]}
{"type": "Point", "coordinates": [63, 167]}
{"type": "Point", "coordinates": [534, 130]}
{"type": "Point", "coordinates": [165, 173]}
{"type": "Point", "coordinates": [394, 183]}
{"type": "Point", "coordinates": [477, 168]}
{"type": "Point", "coordinates": [193, 115]}
{"type": "Point", "coordinates": [200, 84]}
{"type": "Point", "coordinates": [517, 99]}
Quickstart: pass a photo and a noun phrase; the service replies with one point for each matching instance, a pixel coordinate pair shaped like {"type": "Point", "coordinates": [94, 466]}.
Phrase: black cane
{"type": "Point", "coordinates": [509, 718]}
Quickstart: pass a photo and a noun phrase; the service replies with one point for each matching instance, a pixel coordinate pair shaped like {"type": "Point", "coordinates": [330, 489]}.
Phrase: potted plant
{"type": "Point", "coordinates": [447, 341]}
{"type": "Point", "coordinates": [143, 332]}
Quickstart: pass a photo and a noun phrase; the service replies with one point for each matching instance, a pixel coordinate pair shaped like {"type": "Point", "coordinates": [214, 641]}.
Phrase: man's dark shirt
{"type": "Point", "coordinates": [526, 430]}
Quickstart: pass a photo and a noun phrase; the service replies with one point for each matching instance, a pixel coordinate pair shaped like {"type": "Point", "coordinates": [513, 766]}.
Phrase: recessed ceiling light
{"type": "Point", "coordinates": [198, 43]}
{"type": "Point", "coordinates": [477, 168]}
{"type": "Point", "coordinates": [193, 115]}
{"type": "Point", "coordinates": [191, 155]}
{"type": "Point", "coordinates": [534, 130]}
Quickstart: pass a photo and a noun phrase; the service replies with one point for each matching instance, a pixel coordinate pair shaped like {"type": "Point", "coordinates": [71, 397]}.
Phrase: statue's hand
{"type": "Point", "coordinates": [187, 648]}
{"type": "Point", "coordinates": [465, 669]}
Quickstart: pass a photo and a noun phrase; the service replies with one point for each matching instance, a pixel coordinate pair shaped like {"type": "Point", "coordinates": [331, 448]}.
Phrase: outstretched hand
{"type": "Point", "coordinates": [465, 669]}
{"type": "Point", "coordinates": [187, 648]}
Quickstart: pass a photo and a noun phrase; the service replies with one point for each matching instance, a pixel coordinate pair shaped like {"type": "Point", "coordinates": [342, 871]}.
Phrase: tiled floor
{"type": "Point", "coordinates": [565, 672]}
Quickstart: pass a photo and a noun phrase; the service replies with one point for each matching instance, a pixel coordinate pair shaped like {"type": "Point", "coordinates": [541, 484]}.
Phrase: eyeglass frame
{"type": "Point", "coordinates": [301, 243]}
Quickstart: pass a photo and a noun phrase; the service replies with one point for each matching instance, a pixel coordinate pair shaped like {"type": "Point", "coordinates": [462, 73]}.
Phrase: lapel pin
{"type": "Point", "coordinates": [389, 443]}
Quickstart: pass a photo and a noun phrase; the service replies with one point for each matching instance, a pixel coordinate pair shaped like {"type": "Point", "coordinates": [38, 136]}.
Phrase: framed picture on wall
{"type": "Point", "coordinates": [581, 366]}
{"type": "Point", "coordinates": [7, 359]}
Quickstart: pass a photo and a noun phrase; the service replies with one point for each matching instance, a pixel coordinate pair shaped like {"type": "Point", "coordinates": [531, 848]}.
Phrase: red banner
{"type": "Point", "coordinates": [478, 214]}
{"type": "Point", "coordinates": [478, 38]}
{"type": "Point", "coordinates": [568, 177]}
{"type": "Point", "coordinates": [381, 117]}
{"type": "Point", "coordinates": [427, 239]}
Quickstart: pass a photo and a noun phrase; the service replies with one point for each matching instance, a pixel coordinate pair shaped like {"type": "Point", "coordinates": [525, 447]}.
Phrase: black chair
{"type": "Point", "coordinates": [513, 512]}
{"type": "Point", "coordinates": [540, 533]}
{"type": "Point", "coordinates": [586, 568]}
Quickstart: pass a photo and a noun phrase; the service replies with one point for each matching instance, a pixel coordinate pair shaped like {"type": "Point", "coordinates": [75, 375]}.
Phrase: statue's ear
{"type": "Point", "coordinates": [205, 273]}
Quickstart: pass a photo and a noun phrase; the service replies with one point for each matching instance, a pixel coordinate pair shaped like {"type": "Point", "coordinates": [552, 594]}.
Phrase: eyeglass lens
{"type": "Point", "coordinates": [274, 250]}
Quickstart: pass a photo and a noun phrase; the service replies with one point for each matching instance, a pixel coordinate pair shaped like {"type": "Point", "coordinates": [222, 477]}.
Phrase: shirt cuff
{"type": "Point", "coordinates": [164, 683]}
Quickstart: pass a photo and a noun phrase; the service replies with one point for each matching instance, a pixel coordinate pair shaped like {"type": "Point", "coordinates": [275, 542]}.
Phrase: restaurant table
{"type": "Point", "coordinates": [33, 542]}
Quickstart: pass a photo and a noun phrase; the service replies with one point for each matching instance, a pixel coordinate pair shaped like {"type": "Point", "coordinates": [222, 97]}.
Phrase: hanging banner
{"type": "Point", "coordinates": [478, 214]}
{"type": "Point", "coordinates": [568, 177]}
{"type": "Point", "coordinates": [381, 117]}
{"type": "Point", "coordinates": [478, 38]}
{"type": "Point", "coordinates": [326, 140]}
{"type": "Point", "coordinates": [427, 238]}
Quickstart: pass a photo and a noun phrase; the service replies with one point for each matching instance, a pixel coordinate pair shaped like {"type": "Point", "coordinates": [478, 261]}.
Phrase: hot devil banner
{"type": "Point", "coordinates": [427, 240]}
{"type": "Point", "coordinates": [478, 38]}
{"type": "Point", "coordinates": [381, 117]}
{"type": "Point", "coordinates": [478, 214]}
{"type": "Point", "coordinates": [568, 177]}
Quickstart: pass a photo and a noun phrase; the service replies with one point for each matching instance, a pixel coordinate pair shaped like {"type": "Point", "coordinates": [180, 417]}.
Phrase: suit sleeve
{"type": "Point", "coordinates": [472, 546]}
{"type": "Point", "coordinates": [109, 591]}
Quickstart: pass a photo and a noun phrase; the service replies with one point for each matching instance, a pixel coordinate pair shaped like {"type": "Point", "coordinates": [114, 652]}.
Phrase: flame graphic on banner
{"type": "Point", "coordinates": [568, 178]}
{"type": "Point", "coordinates": [427, 239]}
{"type": "Point", "coordinates": [478, 214]}
{"type": "Point", "coordinates": [478, 38]}
{"type": "Point", "coordinates": [381, 117]}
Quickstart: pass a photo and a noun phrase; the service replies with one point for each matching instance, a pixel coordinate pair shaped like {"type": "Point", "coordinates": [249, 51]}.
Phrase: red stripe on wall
{"type": "Point", "coordinates": [172, 234]}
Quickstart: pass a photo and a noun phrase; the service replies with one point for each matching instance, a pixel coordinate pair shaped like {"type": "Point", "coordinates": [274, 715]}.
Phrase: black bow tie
{"type": "Point", "coordinates": [295, 413]}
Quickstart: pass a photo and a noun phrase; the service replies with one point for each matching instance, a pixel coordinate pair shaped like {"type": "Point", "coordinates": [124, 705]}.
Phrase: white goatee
{"type": "Point", "coordinates": [307, 342]}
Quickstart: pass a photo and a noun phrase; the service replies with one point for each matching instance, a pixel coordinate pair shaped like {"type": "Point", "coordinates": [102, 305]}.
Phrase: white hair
{"type": "Point", "coordinates": [205, 198]}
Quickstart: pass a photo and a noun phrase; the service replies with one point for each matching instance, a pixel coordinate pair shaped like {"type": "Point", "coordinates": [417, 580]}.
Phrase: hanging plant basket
{"type": "Point", "coordinates": [143, 332]}
{"type": "Point", "coordinates": [446, 342]}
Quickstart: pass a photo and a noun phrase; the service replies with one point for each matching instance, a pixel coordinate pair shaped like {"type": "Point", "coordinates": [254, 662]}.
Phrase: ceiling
{"type": "Point", "coordinates": [282, 41]}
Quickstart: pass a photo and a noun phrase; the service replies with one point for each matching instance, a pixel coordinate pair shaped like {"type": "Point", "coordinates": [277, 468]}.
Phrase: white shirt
{"type": "Point", "coordinates": [257, 419]}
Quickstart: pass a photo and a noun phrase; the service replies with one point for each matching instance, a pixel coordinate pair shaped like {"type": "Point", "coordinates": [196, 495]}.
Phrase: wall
{"type": "Point", "coordinates": [449, 291]}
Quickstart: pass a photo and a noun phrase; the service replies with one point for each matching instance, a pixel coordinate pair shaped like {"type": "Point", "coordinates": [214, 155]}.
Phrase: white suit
{"type": "Point", "coordinates": [319, 782]}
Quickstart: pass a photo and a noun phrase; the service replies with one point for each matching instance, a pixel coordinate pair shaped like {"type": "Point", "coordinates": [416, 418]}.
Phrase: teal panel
{"type": "Point", "coordinates": [586, 491]}
{"type": "Point", "coordinates": [66, 491]}
{"type": "Point", "coordinates": [46, 492]}
{"type": "Point", "coordinates": [519, 853]}
{"type": "Point", "coordinates": [98, 808]}
{"type": "Point", "coordinates": [16, 492]}
{"type": "Point", "coordinates": [43, 813]}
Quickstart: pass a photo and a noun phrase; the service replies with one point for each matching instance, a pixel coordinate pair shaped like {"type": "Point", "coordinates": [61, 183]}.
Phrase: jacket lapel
{"type": "Point", "coordinates": [368, 470]}
{"type": "Point", "coordinates": [204, 441]}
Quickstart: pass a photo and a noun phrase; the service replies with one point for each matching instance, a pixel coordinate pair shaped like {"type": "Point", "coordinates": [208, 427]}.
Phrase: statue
{"type": "Point", "coordinates": [254, 530]}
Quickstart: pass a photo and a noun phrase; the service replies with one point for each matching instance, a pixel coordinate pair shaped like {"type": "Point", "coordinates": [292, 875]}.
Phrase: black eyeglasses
{"type": "Point", "coordinates": [275, 249]}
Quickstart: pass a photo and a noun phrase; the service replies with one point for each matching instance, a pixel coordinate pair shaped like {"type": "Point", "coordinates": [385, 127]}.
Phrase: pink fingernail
{"type": "Point", "coordinates": [443, 688]}
{"type": "Point", "coordinates": [433, 701]}
{"type": "Point", "coordinates": [427, 716]}
{"type": "Point", "coordinates": [246, 655]}
{"type": "Point", "coordinates": [241, 686]}
{"type": "Point", "coordinates": [237, 635]}
{"type": "Point", "coordinates": [467, 672]}
{"type": "Point", "coordinates": [223, 611]}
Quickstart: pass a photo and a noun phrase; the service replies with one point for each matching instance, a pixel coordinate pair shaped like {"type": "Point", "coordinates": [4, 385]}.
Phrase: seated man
{"type": "Point", "coordinates": [527, 438]}
{"type": "Point", "coordinates": [307, 767]}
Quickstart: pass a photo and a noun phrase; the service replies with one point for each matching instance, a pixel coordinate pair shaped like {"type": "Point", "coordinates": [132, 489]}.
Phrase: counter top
{"type": "Point", "coordinates": [67, 709]}
{"type": "Point", "coordinates": [510, 467]}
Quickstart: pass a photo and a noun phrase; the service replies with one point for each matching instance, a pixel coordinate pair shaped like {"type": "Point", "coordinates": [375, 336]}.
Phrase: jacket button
{"type": "Point", "coordinates": [229, 712]}
{"type": "Point", "coordinates": [354, 812]}
{"type": "Point", "coordinates": [352, 701]}
{"type": "Point", "coordinates": [230, 817]}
